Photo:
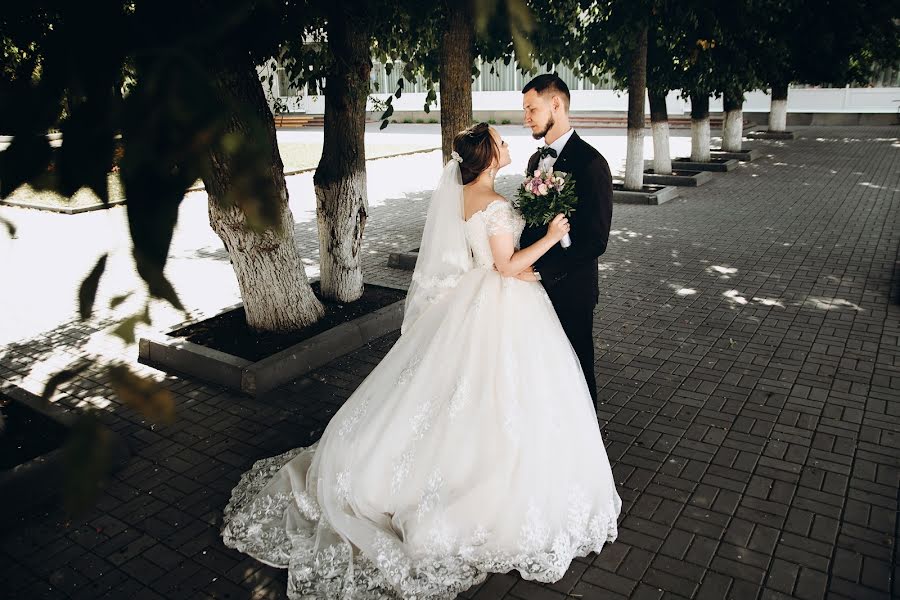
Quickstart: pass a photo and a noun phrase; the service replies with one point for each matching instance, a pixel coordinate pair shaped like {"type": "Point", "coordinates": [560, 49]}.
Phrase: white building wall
{"type": "Point", "coordinates": [800, 100]}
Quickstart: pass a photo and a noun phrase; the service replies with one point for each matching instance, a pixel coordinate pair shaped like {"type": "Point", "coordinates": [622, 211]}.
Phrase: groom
{"type": "Point", "coordinates": [570, 275]}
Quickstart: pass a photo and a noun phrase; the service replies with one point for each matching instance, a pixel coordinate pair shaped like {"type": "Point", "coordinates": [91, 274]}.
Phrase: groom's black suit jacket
{"type": "Point", "coordinates": [570, 276]}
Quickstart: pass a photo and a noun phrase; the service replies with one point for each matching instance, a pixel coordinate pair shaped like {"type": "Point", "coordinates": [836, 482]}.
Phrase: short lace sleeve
{"type": "Point", "coordinates": [500, 217]}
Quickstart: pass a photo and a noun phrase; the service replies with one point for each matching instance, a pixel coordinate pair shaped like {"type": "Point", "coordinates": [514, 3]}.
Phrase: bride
{"type": "Point", "coordinates": [473, 447]}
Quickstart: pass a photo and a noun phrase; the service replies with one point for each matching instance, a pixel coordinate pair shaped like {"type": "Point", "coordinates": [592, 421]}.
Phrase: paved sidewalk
{"type": "Point", "coordinates": [748, 361]}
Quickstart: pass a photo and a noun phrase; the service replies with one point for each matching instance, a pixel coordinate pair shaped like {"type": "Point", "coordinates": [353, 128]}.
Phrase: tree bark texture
{"type": "Point", "coordinates": [271, 277]}
{"type": "Point", "coordinates": [637, 92]}
{"type": "Point", "coordinates": [340, 180]}
{"type": "Point", "coordinates": [733, 125]}
{"type": "Point", "coordinates": [700, 133]}
{"type": "Point", "coordinates": [457, 56]}
{"type": "Point", "coordinates": [659, 124]}
{"type": "Point", "coordinates": [778, 107]}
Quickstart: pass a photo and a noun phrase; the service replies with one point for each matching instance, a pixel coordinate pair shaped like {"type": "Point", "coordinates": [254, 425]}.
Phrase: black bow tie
{"type": "Point", "coordinates": [547, 151]}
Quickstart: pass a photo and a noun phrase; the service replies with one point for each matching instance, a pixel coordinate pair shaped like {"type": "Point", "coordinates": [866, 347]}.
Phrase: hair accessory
{"type": "Point", "coordinates": [455, 156]}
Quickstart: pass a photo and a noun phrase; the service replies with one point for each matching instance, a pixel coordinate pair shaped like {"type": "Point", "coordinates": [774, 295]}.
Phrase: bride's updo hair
{"type": "Point", "coordinates": [477, 149]}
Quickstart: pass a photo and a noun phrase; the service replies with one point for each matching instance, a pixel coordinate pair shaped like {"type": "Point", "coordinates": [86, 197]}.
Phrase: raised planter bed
{"type": "Point", "coordinates": [770, 135]}
{"type": "Point", "coordinates": [405, 261]}
{"type": "Point", "coordinates": [748, 155]}
{"type": "Point", "coordinates": [718, 165]}
{"type": "Point", "coordinates": [682, 177]}
{"type": "Point", "coordinates": [649, 194]}
{"type": "Point", "coordinates": [222, 350]}
{"type": "Point", "coordinates": [32, 456]}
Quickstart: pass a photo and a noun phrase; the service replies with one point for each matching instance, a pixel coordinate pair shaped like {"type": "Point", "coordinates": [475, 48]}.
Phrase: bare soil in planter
{"type": "Point", "coordinates": [675, 173]}
{"type": "Point", "coordinates": [229, 333]}
{"type": "Point", "coordinates": [647, 188]}
{"type": "Point", "coordinates": [28, 434]}
{"type": "Point", "coordinates": [714, 159]}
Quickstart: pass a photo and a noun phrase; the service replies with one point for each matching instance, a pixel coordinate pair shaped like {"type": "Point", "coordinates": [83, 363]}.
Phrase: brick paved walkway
{"type": "Point", "coordinates": [749, 369]}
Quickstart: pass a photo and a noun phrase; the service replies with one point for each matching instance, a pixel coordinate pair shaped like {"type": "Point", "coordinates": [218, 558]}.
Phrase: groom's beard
{"type": "Point", "coordinates": [542, 133]}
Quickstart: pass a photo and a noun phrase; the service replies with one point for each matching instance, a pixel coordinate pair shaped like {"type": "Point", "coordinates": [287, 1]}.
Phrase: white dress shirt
{"type": "Point", "coordinates": [548, 161]}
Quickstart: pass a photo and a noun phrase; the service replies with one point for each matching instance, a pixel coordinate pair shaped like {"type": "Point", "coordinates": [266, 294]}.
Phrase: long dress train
{"type": "Point", "coordinates": [473, 447]}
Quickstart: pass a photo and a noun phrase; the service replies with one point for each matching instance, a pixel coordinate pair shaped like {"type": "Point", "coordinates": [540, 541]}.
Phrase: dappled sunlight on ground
{"type": "Point", "coordinates": [831, 304]}
{"type": "Point", "coordinates": [722, 272]}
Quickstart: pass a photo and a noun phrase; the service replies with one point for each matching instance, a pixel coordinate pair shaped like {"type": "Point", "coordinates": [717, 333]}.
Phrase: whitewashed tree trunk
{"type": "Point", "coordinates": [659, 125]}
{"type": "Point", "coordinates": [733, 125]}
{"type": "Point", "coordinates": [270, 273]}
{"type": "Point", "coordinates": [733, 130]}
{"type": "Point", "coordinates": [340, 180]}
{"type": "Point", "coordinates": [700, 134]}
{"type": "Point", "coordinates": [341, 212]}
{"type": "Point", "coordinates": [634, 160]}
{"type": "Point", "coordinates": [778, 108]}
{"type": "Point", "coordinates": [266, 261]}
{"type": "Point", "coordinates": [637, 92]}
{"type": "Point", "coordinates": [778, 115]}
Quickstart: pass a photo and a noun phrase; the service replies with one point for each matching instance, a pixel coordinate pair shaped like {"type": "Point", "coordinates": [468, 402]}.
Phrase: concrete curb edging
{"type": "Point", "coordinates": [257, 378]}
{"type": "Point", "coordinates": [405, 261]}
{"type": "Point", "coordinates": [742, 156]}
{"type": "Point", "coordinates": [687, 164]}
{"type": "Point", "coordinates": [770, 135]}
{"type": "Point", "coordinates": [41, 477]}
{"type": "Point", "coordinates": [693, 180]}
{"type": "Point", "coordinates": [654, 198]}
{"type": "Point", "coordinates": [65, 210]}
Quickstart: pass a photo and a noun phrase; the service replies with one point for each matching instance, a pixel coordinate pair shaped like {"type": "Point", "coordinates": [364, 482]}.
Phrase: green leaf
{"type": "Point", "coordinates": [125, 329]}
{"type": "Point", "coordinates": [88, 458]}
{"type": "Point", "coordinates": [26, 158]}
{"type": "Point", "coordinates": [10, 227]}
{"type": "Point", "coordinates": [387, 113]}
{"type": "Point", "coordinates": [117, 300]}
{"type": "Point", "coordinates": [384, 124]}
{"type": "Point", "coordinates": [87, 293]}
{"type": "Point", "coordinates": [62, 377]}
{"type": "Point", "coordinates": [143, 394]}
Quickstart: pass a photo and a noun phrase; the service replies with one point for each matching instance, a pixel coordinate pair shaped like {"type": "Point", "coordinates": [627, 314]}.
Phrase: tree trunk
{"type": "Point", "coordinates": [659, 124]}
{"type": "Point", "coordinates": [637, 92]}
{"type": "Point", "coordinates": [733, 125]}
{"type": "Point", "coordinates": [700, 127]}
{"type": "Point", "coordinates": [457, 56]}
{"type": "Point", "coordinates": [778, 108]}
{"type": "Point", "coordinates": [340, 179]}
{"type": "Point", "coordinates": [266, 261]}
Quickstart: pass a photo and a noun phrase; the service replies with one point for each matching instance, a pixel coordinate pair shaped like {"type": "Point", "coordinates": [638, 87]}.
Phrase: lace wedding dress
{"type": "Point", "coordinates": [473, 447]}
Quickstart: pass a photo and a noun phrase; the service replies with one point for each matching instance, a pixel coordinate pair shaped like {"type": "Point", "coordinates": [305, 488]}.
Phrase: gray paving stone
{"type": "Point", "coordinates": [747, 364]}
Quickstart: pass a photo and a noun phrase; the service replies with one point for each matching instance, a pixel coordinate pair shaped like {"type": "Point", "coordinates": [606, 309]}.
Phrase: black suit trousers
{"type": "Point", "coordinates": [577, 320]}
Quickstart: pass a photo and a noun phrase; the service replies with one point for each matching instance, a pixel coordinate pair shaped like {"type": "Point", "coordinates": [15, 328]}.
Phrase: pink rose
{"type": "Point", "coordinates": [542, 189]}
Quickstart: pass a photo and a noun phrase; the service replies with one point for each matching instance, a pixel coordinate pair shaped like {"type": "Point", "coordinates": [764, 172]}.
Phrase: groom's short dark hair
{"type": "Point", "coordinates": [549, 83]}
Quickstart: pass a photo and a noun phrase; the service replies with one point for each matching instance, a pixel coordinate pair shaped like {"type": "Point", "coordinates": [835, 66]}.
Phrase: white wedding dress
{"type": "Point", "coordinates": [473, 447]}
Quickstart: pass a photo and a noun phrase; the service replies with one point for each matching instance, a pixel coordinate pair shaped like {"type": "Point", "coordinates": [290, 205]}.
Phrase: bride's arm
{"type": "Point", "coordinates": [511, 262]}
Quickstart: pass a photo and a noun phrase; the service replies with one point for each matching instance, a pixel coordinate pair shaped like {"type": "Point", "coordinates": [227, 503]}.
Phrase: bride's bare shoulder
{"type": "Point", "coordinates": [478, 200]}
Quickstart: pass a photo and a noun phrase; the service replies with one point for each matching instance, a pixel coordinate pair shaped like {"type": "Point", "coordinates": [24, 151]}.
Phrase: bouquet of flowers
{"type": "Point", "coordinates": [545, 194]}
